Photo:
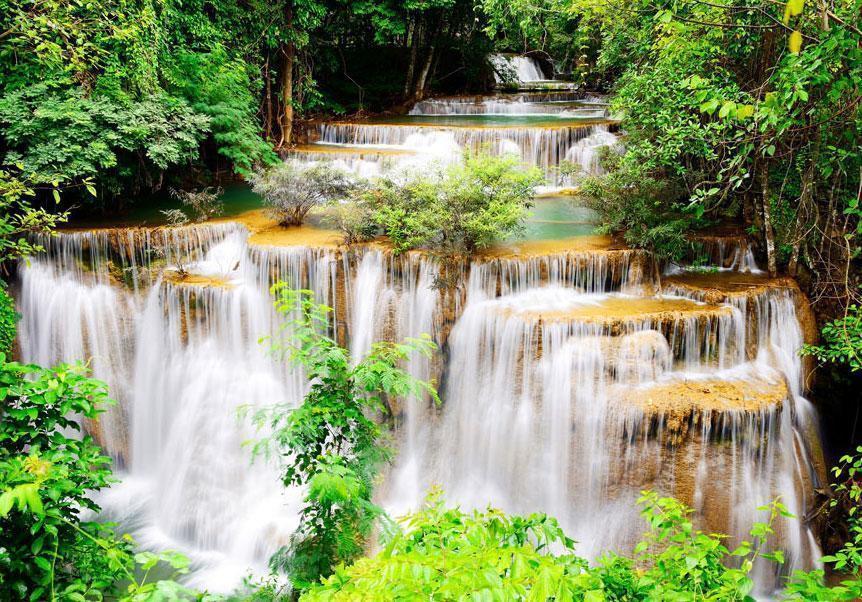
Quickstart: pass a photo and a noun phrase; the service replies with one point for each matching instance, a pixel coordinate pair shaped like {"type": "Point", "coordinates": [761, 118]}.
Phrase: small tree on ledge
{"type": "Point", "coordinates": [290, 190]}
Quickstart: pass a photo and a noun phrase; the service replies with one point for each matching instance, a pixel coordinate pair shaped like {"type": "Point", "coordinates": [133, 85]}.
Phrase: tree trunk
{"type": "Point", "coordinates": [268, 103]}
{"type": "Point", "coordinates": [805, 202]}
{"type": "Point", "coordinates": [289, 52]}
{"type": "Point", "coordinates": [431, 32]}
{"type": "Point", "coordinates": [421, 81]}
{"type": "Point", "coordinates": [768, 232]}
{"type": "Point", "coordinates": [414, 40]}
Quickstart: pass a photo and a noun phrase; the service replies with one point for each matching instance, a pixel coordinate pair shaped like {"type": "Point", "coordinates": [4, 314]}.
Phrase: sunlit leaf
{"type": "Point", "coordinates": [794, 44]}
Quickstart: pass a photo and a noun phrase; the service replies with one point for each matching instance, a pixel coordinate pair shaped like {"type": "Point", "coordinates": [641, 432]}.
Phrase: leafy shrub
{"type": "Point", "coordinates": [8, 320]}
{"type": "Point", "coordinates": [66, 135]}
{"type": "Point", "coordinates": [631, 201]}
{"type": "Point", "coordinates": [466, 207]}
{"type": "Point", "coordinates": [219, 86]}
{"type": "Point", "coordinates": [846, 502]}
{"type": "Point", "coordinates": [35, 455]}
{"type": "Point", "coordinates": [175, 217]}
{"type": "Point", "coordinates": [18, 217]}
{"type": "Point", "coordinates": [355, 221]}
{"type": "Point", "coordinates": [47, 476]}
{"type": "Point", "coordinates": [290, 190]}
{"type": "Point", "coordinates": [330, 443]}
{"type": "Point", "coordinates": [446, 554]}
{"type": "Point", "coordinates": [842, 341]}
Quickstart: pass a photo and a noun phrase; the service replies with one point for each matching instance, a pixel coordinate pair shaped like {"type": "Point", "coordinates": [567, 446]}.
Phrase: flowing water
{"type": "Point", "coordinates": [544, 128]}
{"type": "Point", "coordinates": [573, 375]}
{"type": "Point", "coordinates": [520, 69]}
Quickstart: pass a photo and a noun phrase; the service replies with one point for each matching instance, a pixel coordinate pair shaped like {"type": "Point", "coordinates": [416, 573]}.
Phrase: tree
{"type": "Point", "coordinates": [331, 442]}
{"type": "Point", "coordinates": [18, 217]}
{"type": "Point", "coordinates": [120, 93]}
{"type": "Point", "coordinates": [290, 189]}
{"type": "Point", "coordinates": [842, 341]}
{"type": "Point", "coordinates": [465, 207]}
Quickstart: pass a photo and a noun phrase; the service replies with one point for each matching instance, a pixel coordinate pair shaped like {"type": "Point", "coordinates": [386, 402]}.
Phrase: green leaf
{"type": "Point", "coordinates": [42, 563]}
{"type": "Point", "coordinates": [6, 503]}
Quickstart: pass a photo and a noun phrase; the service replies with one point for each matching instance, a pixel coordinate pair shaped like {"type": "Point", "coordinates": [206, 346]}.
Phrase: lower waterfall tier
{"type": "Point", "coordinates": [572, 376]}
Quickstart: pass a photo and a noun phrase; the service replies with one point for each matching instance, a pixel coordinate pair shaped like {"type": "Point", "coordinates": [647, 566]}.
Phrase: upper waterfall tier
{"type": "Point", "coordinates": [523, 72]}
{"type": "Point", "coordinates": [463, 104]}
{"type": "Point", "coordinates": [565, 105]}
{"type": "Point", "coordinates": [545, 147]}
{"type": "Point", "coordinates": [511, 67]}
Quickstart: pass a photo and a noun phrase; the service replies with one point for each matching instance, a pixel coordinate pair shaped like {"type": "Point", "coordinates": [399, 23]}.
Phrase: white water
{"type": "Point", "coordinates": [592, 108]}
{"type": "Point", "coordinates": [373, 149]}
{"type": "Point", "coordinates": [516, 68]}
{"type": "Point", "coordinates": [585, 153]}
{"type": "Point", "coordinates": [544, 147]}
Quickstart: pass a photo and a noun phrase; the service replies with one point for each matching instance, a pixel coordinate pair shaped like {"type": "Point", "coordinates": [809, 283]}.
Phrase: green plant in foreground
{"type": "Point", "coordinates": [331, 443]}
{"type": "Point", "coordinates": [18, 217]}
{"type": "Point", "coordinates": [47, 478]}
{"type": "Point", "coordinates": [8, 320]}
{"type": "Point", "coordinates": [442, 553]}
{"type": "Point", "coordinates": [847, 500]}
{"type": "Point", "coordinates": [446, 554]}
{"type": "Point", "coordinates": [46, 473]}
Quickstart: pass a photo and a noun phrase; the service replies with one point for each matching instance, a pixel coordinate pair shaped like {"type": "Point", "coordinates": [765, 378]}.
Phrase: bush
{"type": "Point", "coordinates": [332, 444]}
{"type": "Point", "coordinates": [18, 217]}
{"type": "Point", "coordinates": [447, 554]}
{"type": "Point", "coordinates": [48, 473]}
{"type": "Point", "coordinates": [36, 454]}
{"type": "Point", "coordinates": [8, 320]}
{"type": "Point", "coordinates": [842, 341]}
{"type": "Point", "coordinates": [290, 190]}
{"type": "Point", "coordinates": [355, 221]}
{"type": "Point", "coordinates": [633, 202]}
{"type": "Point", "coordinates": [467, 207]}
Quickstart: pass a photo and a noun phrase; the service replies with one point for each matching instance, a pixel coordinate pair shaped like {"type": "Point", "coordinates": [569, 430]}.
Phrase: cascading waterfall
{"type": "Point", "coordinates": [181, 358]}
{"type": "Point", "coordinates": [571, 379]}
{"type": "Point", "coordinates": [568, 386]}
{"type": "Point", "coordinates": [571, 399]}
{"type": "Point", "coordinates": [516, 68]}
{"type": "Point", "coordinates": [585, 152]}
{"type": "Point", "coordinates": [542, 128]}
{"type": "Point", "coordinates": [544, 147]}
{"type": "Point", "coordinates": [563, 104]}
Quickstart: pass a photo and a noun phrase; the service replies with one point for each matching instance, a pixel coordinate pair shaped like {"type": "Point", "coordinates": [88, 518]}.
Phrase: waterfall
{"type": "Point", "coordinates": [180, 358]}
{"type": "Point", "coordinates": [564, 105]}
{"type": "Point", "coordinates": [543, 147]}
{"type": "Point", "coordinates": [516, 68]}
{"type": "Point", "coordinates": [585, 152]}
{"type": "Point", "coordinates": [572, 376]}
{"type": "Point", "coordinates": [569, 385]}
